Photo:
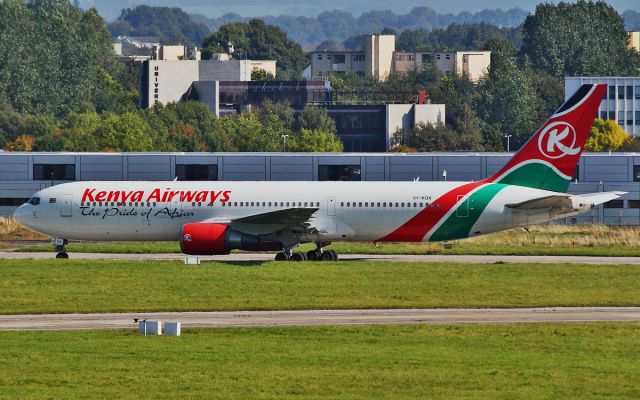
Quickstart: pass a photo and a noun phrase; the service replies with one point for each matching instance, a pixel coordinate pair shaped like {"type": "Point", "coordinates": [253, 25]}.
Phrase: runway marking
{"type": "Point", "coordinates": [242, 257]}
{"type": "Point", "coordinates": [235, 319]}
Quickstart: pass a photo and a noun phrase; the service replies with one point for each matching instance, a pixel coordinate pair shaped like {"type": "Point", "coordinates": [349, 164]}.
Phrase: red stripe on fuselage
{"type": "Point", "coordinates": [419, 225]}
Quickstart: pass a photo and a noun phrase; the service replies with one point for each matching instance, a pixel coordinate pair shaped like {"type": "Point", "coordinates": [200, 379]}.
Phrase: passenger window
{"type": "Point", "coordinates": [348, 204]}
{"type": "Point", "coordinates": [384, 204]}
{"type": "Point", "coordinates": [341, 204]}
{"type": "Point", "coordinates": [366, 204]}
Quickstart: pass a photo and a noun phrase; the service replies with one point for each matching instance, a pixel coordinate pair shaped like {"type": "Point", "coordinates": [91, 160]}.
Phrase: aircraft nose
{"type": "Point", "coordinates": [20, 214]}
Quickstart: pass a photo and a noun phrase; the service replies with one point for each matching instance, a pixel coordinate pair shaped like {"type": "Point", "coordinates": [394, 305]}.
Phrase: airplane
{"type": "Point", "coordinates": [213, 218]}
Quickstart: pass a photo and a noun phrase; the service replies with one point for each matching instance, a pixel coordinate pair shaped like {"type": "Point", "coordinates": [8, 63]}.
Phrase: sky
{"type": "Point", "coordinates": [110, 9]}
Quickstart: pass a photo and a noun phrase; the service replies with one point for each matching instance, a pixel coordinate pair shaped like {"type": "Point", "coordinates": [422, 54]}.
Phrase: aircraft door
{"type": "Point", "coordinates": [463, 209]}
{"type": "Point", "coordinates": [65, 206]}
{"type": "Point", "coordinates": [331, 206]}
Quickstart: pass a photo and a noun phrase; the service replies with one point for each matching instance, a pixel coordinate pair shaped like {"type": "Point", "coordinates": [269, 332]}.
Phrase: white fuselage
{"type": "Point", "coordinates": [346, 211]}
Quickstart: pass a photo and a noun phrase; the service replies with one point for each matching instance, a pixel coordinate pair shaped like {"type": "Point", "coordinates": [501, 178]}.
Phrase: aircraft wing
{"type": "Point", "coordinates": [296, 220]}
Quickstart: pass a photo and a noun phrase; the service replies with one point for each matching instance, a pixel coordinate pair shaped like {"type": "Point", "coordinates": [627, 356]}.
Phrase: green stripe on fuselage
{"type": "Point", "coordinates": [459, 223]}
{"type": "Point", "coordinates": [538, 176]}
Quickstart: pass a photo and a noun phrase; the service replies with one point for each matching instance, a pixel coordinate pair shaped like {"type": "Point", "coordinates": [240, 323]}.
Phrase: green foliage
{"type": "Point", "coordinates": [507, 102]}
{"type": "Point", "coordinates": [581, 39]}
{"type": "Point", "coordinates": [55, 57]}
{"type": "Point", "coordinates": [171, 25]}
{"type": "Point", "coordinates": [606, 136]}
{"type": "Point", "coordinates": [316, 140]}
{"type": "Point", "coordinates": [340, 26]}
{"type": "Point", "coordinates": [316, 118]}
{"type": "Point", "coordinates": [259, 41]}
{"type": "Point", "coordinates": [429, 137]}
{"type": "Point", "coordinates": [456, 37]}
{"type": "Point", "coordinates": [259, 74]}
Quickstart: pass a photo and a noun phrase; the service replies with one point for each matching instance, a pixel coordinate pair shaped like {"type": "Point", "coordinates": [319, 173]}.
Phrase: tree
{"type": "Point", "coordinates": [581, 39]}
{"type": "Point", "coordinates": [22, 143]}
{"type": "Point", "coordinates": [171, 25]}
{"type": "Point", "coordinates": [316, 118]}
{"type": "Point", "coordinates": [507, 102]}
{"type": "Point", "coordinates": [316, 140]}
{"type": "Point", "coordinates": [606, 136]}
{"type": "Point", "coordinates": [257, 40]}
{"type": "Point", "coordinates": [53, 56]}
{"type": "Point", "coordinates": [259, 74]}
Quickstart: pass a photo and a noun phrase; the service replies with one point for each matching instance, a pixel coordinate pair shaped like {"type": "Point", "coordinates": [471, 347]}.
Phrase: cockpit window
{"type": "Point", "coordinates": [34, 201]}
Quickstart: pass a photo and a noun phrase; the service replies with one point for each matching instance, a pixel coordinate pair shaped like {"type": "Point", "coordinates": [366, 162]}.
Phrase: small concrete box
{"type": "Point", "coordinates": [172, 328]}
{"type": "Point", "coordinates": [192, 260]}
{"type": "Point", "coordinates": [150, 327]}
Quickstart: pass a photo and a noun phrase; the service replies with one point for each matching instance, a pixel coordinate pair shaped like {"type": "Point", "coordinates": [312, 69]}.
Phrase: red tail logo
{"type": "Point", "coordinates": [557, 140]}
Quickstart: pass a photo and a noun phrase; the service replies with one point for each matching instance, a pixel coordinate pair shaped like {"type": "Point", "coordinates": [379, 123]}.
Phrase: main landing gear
{"type": "Point", "coordinates": [313, 255]}
{"type": "Point", "coordinates": [58, 245]}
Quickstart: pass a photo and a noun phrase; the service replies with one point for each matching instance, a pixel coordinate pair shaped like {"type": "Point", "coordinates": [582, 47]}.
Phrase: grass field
{"type": "Point", "coordinates": [594, 240]}
{"type": "Point", "coordinates": [528, 361]}
{"type": "Point", "coordinates": [40, 286]}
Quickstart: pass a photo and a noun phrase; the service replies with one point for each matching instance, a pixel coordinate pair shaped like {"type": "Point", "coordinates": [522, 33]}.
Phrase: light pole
{"type": "Point", "coordinates": [508, 137]}
{"type": "Point", "coordinates": [284, 139]}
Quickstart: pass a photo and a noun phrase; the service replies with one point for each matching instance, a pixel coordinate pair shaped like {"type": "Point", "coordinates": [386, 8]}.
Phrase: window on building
{"type": "Point", "coordinates": [438, 56]}
{"type": "Point", "coordinates": [411, 57]}
{"type": "Point", "coordinates": [614, 204]}
{"type": "Point", "coordinates": [634, 203]}
{"type": "Point", "coordinates": [427, 58]}
{"type": "Point", "coordinates": [12, 201]}
{"type": "Point", "coordinates": [359, 73]}
{"type": "Point", "coordinates": [339, 59]}
{"type": "Point", "coordinates": [603, 115]}
{"type": "Point", "coordinates": [447, 56]}
{"type": "Point", "coordinates": [400, 57]}
{"type": "Point", "coordinates": [636, 173]}
{"type": "Point", "coordinates": [620, 92]}
{"type": "Point", "coordinates": [358, 57]}
{"type": "Point", "coordinates": [629, 118]}
{"type": "Point", "coordinates": [319, 56]}
{"type": "Point", "coordinates": [637, 90]}
{"type": "Point", "coordinates": [58, 172]}
{"type": "Point", "coordinates": [612, 92]}
{"type": "Point", "coordinates": [328, 56]}
{"type": "Point", "coordinates": [197, 172]}
{"type": "Point", "coordinates": [621, 118]}
{"type": "Point", "coordinates": [629, 92]}
{"type": "Point", "coordinates": [338, 172]}
{"type": "Point", "coordinates": [612, 115]}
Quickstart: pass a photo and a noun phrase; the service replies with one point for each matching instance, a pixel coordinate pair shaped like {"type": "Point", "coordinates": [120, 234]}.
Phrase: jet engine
{"type": "Point", "coordinates": [202, 238]}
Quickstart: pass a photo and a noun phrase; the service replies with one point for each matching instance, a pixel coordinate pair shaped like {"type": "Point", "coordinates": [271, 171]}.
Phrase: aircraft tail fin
{"type": "Point", "coordinates": [547, 160]}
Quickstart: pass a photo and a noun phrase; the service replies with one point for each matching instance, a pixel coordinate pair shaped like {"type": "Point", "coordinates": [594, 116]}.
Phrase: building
{"type": "Point", "coordinates": [475, 64]}
{"type": "Point", "coordinates": [634, 40]}
{"type": "Point", "coordinates": [621, 104]}
{"type": "Point", "coordinates": [22, 174]}
{"type": "Point", "coordinates": [166, 81]}
{"type": "Point", "coordinates": [360, 127]}
{"type": "Point", "coordinates": [379, 59]}
{"type": "Point", "coordinates": [136, 47]}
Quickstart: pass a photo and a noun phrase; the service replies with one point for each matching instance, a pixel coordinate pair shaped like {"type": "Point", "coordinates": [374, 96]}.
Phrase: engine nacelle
{"type": "Point", "coordinates": [202, 238]}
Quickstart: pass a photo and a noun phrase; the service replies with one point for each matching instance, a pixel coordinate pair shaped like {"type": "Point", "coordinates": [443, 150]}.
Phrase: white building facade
{"type": "Point", "coordinates": [621, 102]}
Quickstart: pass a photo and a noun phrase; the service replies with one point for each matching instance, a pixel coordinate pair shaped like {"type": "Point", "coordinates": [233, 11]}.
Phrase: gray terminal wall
{"type": "Point", "coordinates": [597, 172]}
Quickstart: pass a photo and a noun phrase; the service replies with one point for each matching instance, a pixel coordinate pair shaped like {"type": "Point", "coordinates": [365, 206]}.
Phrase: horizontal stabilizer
{"type": "Point", "coordinates": [567, 202]}
{"type": "Point", "coordinates": [602, 197]}
{"type": "Point", "coordinates": [554, 201]}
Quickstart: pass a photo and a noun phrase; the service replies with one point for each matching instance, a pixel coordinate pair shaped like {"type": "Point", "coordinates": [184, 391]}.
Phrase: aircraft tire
{"type": "Point", "coordinates": [62, 255]}
{"type": "Point", "coordinates": [313, 255]}
{"type": "Point", "coordinates": [298, 257]}
{"type": "Point", "coordinates": [328, 256]}
{"type": "Point", "coordinates": [282, 256]}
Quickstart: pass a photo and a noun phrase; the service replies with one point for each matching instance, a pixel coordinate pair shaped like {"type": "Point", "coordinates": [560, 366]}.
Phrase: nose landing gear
{"type": "Point", "coordinates": [59, 246]}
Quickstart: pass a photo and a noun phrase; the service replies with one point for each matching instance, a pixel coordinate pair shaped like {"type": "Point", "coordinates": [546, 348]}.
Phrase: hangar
{"type": "Point", "coordinates": [22, 174]}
